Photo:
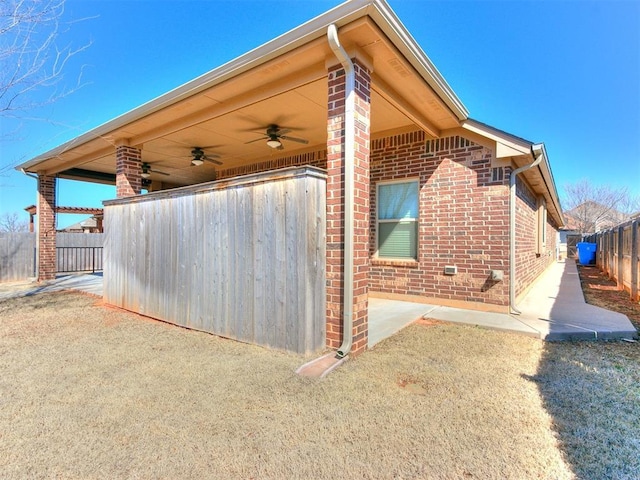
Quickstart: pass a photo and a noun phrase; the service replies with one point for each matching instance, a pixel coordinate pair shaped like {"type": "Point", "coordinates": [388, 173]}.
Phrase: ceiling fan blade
{"type": "Point", "coordinates": [212, 160]}
{"type": "Point", "coordinates": [294, 139]}
{"type": "Point", "coordinates": [158, 172]}
{"type": "Point", "coordinates": [257, 140]}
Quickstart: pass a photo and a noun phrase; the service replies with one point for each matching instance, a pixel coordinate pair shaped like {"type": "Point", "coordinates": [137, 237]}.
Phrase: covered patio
{"type": "Point", "coordinates": [314, 96]}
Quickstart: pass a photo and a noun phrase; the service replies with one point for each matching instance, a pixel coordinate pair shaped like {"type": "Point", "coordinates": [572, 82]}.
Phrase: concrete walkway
{"type": "Point", "coordinates": [84, 282]}
{"type": "Point", "coordinates": [554, 309]}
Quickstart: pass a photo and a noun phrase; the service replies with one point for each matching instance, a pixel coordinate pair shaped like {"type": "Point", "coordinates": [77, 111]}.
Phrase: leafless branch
{"type": "Point", "coordinates": [31, 60]}
{"type": "Point", "coordinates": [11, 223]}
{"type": "Point", "coordinates": [589, 208]}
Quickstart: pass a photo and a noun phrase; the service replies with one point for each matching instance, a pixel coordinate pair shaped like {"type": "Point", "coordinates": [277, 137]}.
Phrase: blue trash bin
{"type": "Point", "coordinates": [586, 253]}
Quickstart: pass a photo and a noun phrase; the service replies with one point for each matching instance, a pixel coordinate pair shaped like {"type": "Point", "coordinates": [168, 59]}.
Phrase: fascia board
{"type": "Point", "coordinates": [390, 24]}
{"type": "Point", "coordinates": [341, 15]}
{"type": "Point", "coordinates": [547, 174]}
{"type": "Point", "coordinates": [519, 145]}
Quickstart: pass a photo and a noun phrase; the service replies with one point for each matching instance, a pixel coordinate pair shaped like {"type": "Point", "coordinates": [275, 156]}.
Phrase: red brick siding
{"type": "Point", "coordinates": [315, 159]}
{"type": "Point", "coordinates": [128, 171]}
{"type": "Point", "coordinates": [46, 228]}
{"type": "Point", "coordinates": [529, 263]}
{"type": "Point", "coordinates": [463, 219]}
{"type": "Point", "coordinates": [335, 211]}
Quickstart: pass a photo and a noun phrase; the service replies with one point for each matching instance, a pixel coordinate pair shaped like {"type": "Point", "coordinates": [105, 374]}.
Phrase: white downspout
{"type": "Point", "coordinates": [538, 153]}
{"type": "Point", "coordinates": [349, 157]}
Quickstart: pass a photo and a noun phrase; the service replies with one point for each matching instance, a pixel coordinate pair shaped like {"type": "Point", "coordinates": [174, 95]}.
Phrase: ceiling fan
{"type": "Point", "coordinates": [146, 171]}
{"type": "Point", "coordinates": [199, 157]}
{"type": "Point", "coordinates": [274, 136]}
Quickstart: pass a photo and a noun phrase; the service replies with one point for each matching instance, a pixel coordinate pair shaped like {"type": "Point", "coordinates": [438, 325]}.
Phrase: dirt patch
{"type": "Point", "coordinates": [603, 292]}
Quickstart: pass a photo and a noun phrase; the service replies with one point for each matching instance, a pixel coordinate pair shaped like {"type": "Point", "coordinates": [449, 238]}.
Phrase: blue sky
{"type": "Point", "coordinates": [565, 73]}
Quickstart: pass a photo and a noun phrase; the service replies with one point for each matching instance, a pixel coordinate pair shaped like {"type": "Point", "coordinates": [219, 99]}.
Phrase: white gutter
{"type": "Point", "coordinates": [537, 151]}
{"type": "Point", "coordinates": [349, 160]}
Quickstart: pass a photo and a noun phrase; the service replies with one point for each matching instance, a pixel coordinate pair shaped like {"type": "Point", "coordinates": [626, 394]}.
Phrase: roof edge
{"type": "Point", "coordinates": [340, 15]}
{"type": "Point", "coordinates": [526, 147]}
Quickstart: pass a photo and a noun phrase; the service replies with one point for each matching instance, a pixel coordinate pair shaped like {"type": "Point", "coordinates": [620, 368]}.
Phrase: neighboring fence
{"type": "Point", "coordinates": [572, 241]}
{"type": "Point", "coordinates": [78, 259]}
{"type": "Point", "coordinates": [617, 252]}
{"type": "Point", "coordinates": [76, 252]}
{"type": "Point", "coordinates": [242, 258]}
{"type": "Point", "coordinates": [17, 256]}
{"type": "Point", "coordinates": [79, 252]}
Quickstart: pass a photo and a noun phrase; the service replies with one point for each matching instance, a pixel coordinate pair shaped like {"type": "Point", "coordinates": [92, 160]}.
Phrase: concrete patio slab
{"type": "Point", "coordinates": [553, 310]}
{"type": "Point", "coordinates": [84, 282]}
{"type": "Point", "coordinates": [387, 317]}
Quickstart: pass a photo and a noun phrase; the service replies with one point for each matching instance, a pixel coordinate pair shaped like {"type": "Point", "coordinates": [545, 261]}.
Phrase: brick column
{"type": "Point", "coordinates": [46, 227]}
{"type": "Point", "coordinates": [335, 208]}
{"type": "Point", "coordinates": [128, 171]}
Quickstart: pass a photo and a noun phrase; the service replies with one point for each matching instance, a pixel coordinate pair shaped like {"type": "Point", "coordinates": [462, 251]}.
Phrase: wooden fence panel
{"type": "Point", "coordinates": [242, 258]}
{"type": "Point", "coordinates": [618, 255]}
{"type": "Point", "coordinates": [17, 256]}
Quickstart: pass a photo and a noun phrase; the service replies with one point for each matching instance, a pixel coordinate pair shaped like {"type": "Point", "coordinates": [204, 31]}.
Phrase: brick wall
{"type": "Point", "coordinates": [128, 171]}
{"type": "Point", "coordinates": [335, 211]}
{"type": "Point", "coordinates": [46, 227]}
{"type": "Point", "coordinates": [529, 263]}
{"type": "Point", "coordinates": [462, 219]}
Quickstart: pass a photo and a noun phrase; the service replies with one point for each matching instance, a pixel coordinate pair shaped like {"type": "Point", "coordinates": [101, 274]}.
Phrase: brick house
{"type": "Point", "coordinates": [423, 203]}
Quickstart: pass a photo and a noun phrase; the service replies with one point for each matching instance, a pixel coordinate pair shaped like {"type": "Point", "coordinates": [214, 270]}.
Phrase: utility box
{"type": "Point", "coordinates": [586, 253]}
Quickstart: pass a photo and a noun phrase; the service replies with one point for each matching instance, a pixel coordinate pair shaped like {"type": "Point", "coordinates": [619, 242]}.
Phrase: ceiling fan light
{"type": "Point", "coordinates": [196, 162]}
{"type": "Point", "coordinates": [274, 143]}
{"type": "Point", "coordinates": [145, 175]}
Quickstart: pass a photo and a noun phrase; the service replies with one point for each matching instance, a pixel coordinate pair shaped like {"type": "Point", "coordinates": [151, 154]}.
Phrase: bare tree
{"type": "Point", "coordinates": [589, 208]}
{"type": "Point", "coordinates": [31, 59]}
{"type": "Point", "coordinates": [11, 223]}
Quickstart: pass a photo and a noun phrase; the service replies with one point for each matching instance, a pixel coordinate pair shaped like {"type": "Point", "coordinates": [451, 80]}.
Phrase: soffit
{"type": "Point", "coordinates": [289, 90]}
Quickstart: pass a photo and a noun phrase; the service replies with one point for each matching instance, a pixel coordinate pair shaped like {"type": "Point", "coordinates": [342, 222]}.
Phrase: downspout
{"type": "Point", "coordinates": [538, 154]}
{"type": "Point", "coordinates": [349, 160]}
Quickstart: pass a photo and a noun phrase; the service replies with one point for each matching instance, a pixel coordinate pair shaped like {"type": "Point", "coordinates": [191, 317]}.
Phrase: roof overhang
{"type": "Point", "coordinates": [520, 152]}
{"type": "Point", "coordinates": [406, 87]}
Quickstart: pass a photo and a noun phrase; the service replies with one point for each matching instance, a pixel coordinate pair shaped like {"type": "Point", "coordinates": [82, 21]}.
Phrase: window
{"type": "Point", "coordinates": [397, 219]}
{"type": "Point", "coordinates": [541, 213]}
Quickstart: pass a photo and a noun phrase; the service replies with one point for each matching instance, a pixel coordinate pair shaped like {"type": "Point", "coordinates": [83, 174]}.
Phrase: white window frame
{"type": "Point", "coordinates": [379, 221]}
{"type": "Point", "coordinates": [541, 231]}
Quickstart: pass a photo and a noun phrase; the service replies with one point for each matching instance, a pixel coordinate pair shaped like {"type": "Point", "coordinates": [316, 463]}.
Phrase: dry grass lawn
{"type": "Point", "coordinates": [92, 392]}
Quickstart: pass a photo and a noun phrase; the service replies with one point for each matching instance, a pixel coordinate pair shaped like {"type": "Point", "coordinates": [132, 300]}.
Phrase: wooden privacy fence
{"type": "Point", "coordinates": [76, 252]}
{"type": "Point", "coordinates": [242, 258]}
{"type": "Point", "coordinates": [17, 256]}
{"type": "Point", "coordinates": [617, 255]}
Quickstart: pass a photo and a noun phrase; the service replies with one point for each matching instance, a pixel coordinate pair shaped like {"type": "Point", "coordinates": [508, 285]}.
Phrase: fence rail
{"type": "Point", "coordinates": [79, 259]}
{"type": "Point", "coordinates": [18, 254]}
{"type": "Point", "coordinates": [617, 251]}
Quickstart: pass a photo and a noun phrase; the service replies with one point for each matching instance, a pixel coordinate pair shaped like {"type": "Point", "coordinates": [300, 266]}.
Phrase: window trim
{"type": "Point", "coordinates": [541, 224]}
{"type": "Point", "coordinates": [378, 220]}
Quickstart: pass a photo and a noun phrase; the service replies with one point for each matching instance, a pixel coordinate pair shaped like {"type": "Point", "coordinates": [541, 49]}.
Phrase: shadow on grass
{"type": "Point", "coordinates": [592, 392]}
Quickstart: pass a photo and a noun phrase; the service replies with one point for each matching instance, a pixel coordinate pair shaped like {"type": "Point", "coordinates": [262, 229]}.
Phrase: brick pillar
{"type": "Point", "coordinates": [335, 208]}
{"type": "Point", "coordinates": [128, 171]}
{"type": "Point", "coordinates": [46, 227]}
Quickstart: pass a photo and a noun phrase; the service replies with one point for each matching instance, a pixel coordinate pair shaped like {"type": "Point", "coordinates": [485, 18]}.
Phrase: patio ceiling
{"type": "Point", "coordinates": [283, 82]}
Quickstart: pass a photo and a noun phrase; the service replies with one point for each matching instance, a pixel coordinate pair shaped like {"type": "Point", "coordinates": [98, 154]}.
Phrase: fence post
{"type": "Point", "coordinates": [634, 260]}
{"type": "Point", "coordinates": [611, 255]}
{"type": "Point", "coordinates": [620, 259]}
